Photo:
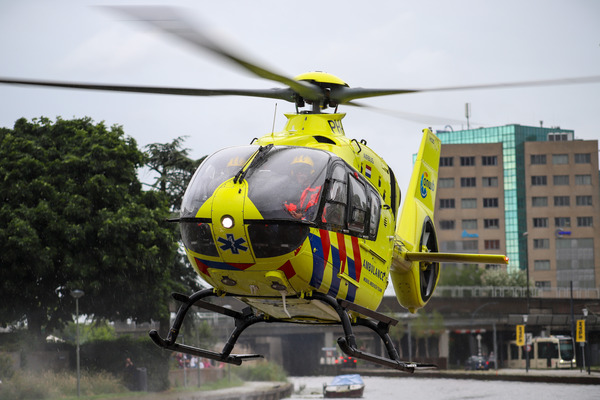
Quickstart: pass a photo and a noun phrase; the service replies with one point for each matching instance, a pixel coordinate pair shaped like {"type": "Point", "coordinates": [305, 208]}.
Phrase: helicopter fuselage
{"type": "Point", "coordinates": [242, 238]}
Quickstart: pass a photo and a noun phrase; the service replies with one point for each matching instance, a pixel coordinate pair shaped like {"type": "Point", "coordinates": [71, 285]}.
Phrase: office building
{"type": "Point", "coordinates": [529, 192]}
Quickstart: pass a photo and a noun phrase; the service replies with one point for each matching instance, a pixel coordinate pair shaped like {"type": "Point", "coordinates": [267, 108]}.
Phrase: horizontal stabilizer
{"type": "Point", "coordinates": [456, 258]}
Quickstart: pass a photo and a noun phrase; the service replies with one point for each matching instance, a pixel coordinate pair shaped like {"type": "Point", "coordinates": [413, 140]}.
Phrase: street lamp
{"type": "Point", "coordinates": [526, 347]}
{"type": "Point", "coordinates": [585, 314]}
{"type": "Point", "coordinates": [76, 294]}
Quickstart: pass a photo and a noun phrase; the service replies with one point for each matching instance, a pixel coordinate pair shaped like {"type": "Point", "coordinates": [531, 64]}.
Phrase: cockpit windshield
{"type": "Point", "coordinates": [215, 170]}
{"type": "Point", "coordinates": [285, 183]}
{"type": "Point", "coordinates": [289, 183]}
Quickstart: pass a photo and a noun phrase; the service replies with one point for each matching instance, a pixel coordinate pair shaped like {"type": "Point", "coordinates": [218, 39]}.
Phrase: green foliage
{"type": "Point", "coordinates": [427, 324]}
{"type": "Point", "coordinates": [110, 355]}
{"type": "Point", "coordinates": [97, 330]}
{"type": "Point", "coordinates": [499, 277]}
{"type": "Point", "coordinates": [462, 275]}
{"type": "Point", "coordinates": [73, 216]}
{"type": "Point", "coordinates": [51, 385]}
{"type": "Point", "coordinates": [174, 169]}
{"type": "Point", "coordinates": [262, 371]}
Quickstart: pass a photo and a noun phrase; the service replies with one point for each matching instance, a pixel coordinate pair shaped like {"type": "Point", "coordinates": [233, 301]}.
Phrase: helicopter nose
{"type": "Point", "coordinates": [228, 224]}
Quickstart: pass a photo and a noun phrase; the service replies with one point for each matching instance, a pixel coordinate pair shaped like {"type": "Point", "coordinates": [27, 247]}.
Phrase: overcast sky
{"type": "Point", "coordinates": [382, 44]}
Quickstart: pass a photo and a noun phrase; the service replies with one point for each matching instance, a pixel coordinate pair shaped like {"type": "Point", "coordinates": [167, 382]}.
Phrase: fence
{"type": "Point", "coordinates": [510, 292]}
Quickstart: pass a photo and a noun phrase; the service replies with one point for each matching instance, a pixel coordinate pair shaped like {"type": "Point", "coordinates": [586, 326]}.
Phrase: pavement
{"type": "Point", "coordinates": [247, 391]}
{"type": "Point", "coordinates": [574, 375]}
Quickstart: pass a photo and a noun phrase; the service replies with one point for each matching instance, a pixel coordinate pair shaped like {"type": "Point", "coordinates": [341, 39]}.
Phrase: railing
{"type": "Point", "coordinates": [510, 291]}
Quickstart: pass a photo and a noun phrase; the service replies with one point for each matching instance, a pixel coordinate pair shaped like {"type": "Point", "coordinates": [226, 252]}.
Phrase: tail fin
{"type": "Point", "coordinates": [414, 282]}
{"type": "Point", "coordinates": [415, 264]}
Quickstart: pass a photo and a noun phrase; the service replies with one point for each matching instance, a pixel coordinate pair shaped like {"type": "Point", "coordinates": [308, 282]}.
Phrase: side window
{"type": "Point", "coordinates": [337, 197]}
{"type": "Point", "coordinates": [374, 215]}
{"type": "Point", "coordinates": [358, 206]}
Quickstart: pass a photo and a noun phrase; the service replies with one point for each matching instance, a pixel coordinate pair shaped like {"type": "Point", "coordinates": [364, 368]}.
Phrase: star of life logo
{"type": "Point", "coordinates": [233, 244]}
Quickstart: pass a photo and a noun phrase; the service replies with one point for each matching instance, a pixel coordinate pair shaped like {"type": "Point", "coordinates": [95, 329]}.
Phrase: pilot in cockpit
{"type": "Point", "coordinates": [302, 171]}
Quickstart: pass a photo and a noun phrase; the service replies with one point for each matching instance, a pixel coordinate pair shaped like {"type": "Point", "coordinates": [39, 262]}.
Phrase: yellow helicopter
{"type": "Point", "coordinates": [304, 225]}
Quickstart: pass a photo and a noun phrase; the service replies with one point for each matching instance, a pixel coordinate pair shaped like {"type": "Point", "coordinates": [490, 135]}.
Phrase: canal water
{"type": "Point", "coordinates": [378, 388]}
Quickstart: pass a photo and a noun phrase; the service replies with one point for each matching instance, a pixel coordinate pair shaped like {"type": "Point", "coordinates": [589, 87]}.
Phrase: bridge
{"type": "Point", "coordinates": [457, 322]}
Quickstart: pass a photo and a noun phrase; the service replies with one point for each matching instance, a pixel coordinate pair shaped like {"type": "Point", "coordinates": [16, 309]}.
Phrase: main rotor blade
{"type": "Point", "coordinates": [280, 94]}
{"type": "Point", "coordinates": [414, 117]}
{"type": "Point", "coordinates": [345, 94]}
{"type": "Point", "coordinates": [168, 20]}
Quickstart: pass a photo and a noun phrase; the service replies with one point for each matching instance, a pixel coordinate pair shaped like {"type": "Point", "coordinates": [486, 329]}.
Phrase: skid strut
{"type": "Point", "coordinates": [247, 318]}
{"type": "Point", "coordinates": [242, 319]}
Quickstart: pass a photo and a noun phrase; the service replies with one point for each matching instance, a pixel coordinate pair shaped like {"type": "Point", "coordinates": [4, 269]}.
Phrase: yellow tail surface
{"type": "Point", "coordinates": [415, 264]}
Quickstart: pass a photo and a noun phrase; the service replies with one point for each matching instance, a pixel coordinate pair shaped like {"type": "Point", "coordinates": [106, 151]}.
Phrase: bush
{"type": "Point", "coordinates": [262, 371]}
{"type": "Point", "coordinates": [110, 356]}
{"type": "Point", "coordinates": [47, 385]}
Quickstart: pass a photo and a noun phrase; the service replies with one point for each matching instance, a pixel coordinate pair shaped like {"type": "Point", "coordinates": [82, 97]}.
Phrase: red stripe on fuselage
{"type": "Point", "coordinates": [202, 267]}
{"type": "Point", "coordinates": [326, 243]}
{"type": "Point", "coordinates": [287, 269]}
{"type": "Point", "coordinates": [357, 260]}
{"type": "Point", "coordinates": [342, 247]}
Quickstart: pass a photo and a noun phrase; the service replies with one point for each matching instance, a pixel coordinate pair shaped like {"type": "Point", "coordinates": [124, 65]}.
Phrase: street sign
{"type": "Point", "coordinates": [520, 335]}
{"type": "Point", "coordinates": [580, 334]}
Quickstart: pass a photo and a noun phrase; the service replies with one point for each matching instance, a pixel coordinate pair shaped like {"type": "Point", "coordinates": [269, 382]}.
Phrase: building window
{"type": "Point", "coordinates": [538, 159]}
{"type": "Point", "coordinates": [585, 221]}
{"type": "Point", "coordinates": [446, 203]}
{"type": "Point", "coordinates": [562, 222]}
{"type": "Point", "coordinates": [468, 182]}
{"type": "Point", "coordinates": [560, 180]}
{"type": "Point", "coordinates": [492, 223]}
{"type": "Point", "coordinates": [491, 202]}
{"type": "Point", "coordinates": [583, 158]}
{"type": "Point", "coordinates": [540, 222]}
{"type": "Point", "coordinates": [468, 203]}
{"type": "Point", "coordinates": [583, 200]}
{"type": "Point", "coordinates": [560, 159]}
{"type": "Point", "coordinates": [446, 161]}
{"type": "Point", "coordinates": [583, 179]}
{"type": "Point", "coordinates": [562, 201]}
{"type": "Point", "coordinates": [539, 180]}
{"type": "Point", "coordinates": [541, 265]}
{"type": "Point", "coordinates": [558, 137]}
{"type": "Point", "coordinates": [491, 244]}
{"type": "Point", "coordinates": [541, 243]}
{"type": "Point", "coordinates": [489, 181]}
{"type": "Point", "coordinates": [467, 161]}
{"type": "Point", "coordinates": [469, 245]}
{"type": "Point", "coordinates": [469, 224]}
{"type": "Point", "coordinates": [543, 285]}
{"type": "Point", "coordinates": [446, 183]}
{"type": "Point", "coordinates": [539, 201]}
{"type": "Point", "coordinates": [447, 224]}
{"type": "Point", "coordinates": [489, 160]}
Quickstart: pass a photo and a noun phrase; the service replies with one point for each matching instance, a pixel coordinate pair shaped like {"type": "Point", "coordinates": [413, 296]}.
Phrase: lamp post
{"type": "Point", "coordinates": [525, 317]}
{"type": "Point", "coordinates": [585, 314]}
{"type": "Point", "coordinates": [76, 294]}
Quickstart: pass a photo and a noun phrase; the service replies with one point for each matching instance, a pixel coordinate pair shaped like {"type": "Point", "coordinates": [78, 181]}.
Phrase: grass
{"type": "Point", "coordinates": [24, 385]}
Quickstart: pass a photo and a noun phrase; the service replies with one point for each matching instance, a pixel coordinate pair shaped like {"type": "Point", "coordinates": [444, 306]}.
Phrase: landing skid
{"type": "Point", "coordinates": [377, 322]}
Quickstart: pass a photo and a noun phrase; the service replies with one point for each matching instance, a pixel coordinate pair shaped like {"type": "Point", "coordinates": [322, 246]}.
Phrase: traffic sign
{"type": "Point", "coordinates": [580, 334]}
{"type": "Point", "coordinates": [520, 335]}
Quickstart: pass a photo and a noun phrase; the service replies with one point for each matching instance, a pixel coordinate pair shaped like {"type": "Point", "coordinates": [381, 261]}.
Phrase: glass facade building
{"type": "Point", "coordinates": [513, 138]}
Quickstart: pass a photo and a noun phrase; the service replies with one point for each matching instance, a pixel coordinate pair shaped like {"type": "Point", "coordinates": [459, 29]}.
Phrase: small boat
{"type": "Point", "coordinates": [344, 386]}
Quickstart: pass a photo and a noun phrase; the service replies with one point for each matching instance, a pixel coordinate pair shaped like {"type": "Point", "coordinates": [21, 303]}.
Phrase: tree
{"type": "Point", "coordinates": [502, 277]}
{"type": "Point", "coordinates": [73, 216]}
{"type": "Point", "coordinates": [462, 275]}
{"type": "Point", "coordinates": [174, 168]}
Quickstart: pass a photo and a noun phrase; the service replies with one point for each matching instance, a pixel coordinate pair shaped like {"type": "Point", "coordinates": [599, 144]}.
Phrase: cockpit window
{"type": "Point", "coordinates": [215, 170]}
{"type": "Point", "coordinates": [288, 184]}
